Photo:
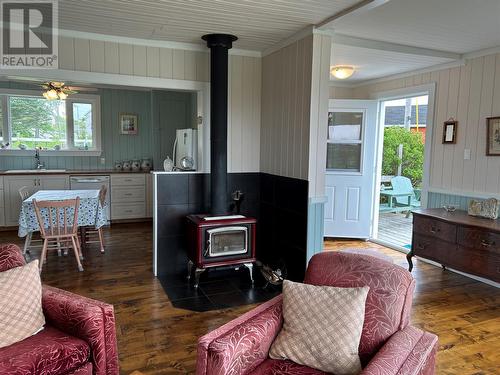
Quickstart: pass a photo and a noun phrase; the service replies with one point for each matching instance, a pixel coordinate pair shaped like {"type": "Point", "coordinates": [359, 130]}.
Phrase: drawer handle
{"type": "Point", "coordinates": [128, 194]}
{"type": "Point", "coordinates": [421, 246]}
{"type": "Point", "coordinates": [486, 243]}
{"type": "Point", "coordinates": [129, 211]}
{"type": "Point", "coordinates": [434, 230]}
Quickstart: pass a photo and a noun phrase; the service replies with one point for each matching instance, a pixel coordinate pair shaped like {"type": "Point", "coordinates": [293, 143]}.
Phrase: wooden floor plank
{"type": "Point", "coordinates": [156, 338]}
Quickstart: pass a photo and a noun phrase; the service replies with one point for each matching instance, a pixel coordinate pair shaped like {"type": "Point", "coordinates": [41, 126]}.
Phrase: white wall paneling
{"type": "Point", "coordinates": [319, 114]}
{"type": "Point", "coordinates": [286, 105]}
{"type": "Point", "coordinates": [469, 93]}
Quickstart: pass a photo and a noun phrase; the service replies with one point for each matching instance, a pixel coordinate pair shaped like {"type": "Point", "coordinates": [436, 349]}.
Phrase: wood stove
{"type": "Point", "coordinates": [216, 241]}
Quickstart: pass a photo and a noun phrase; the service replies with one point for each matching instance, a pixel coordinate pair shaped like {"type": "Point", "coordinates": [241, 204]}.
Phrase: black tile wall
{"type": "Point", "coordinates": [278, 203]}
{"type": "Point", "coordinates": [180, 195]}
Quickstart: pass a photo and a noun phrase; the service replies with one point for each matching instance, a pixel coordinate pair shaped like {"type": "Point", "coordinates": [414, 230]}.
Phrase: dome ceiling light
{"type": "Point", "coordinates": [342, 71]}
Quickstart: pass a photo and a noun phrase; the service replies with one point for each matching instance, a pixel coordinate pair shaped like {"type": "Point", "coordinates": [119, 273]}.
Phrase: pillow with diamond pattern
{"type": "Point", "coordinates": [322, 327]}
{"type": "Point", "coordinates": [21, 312]}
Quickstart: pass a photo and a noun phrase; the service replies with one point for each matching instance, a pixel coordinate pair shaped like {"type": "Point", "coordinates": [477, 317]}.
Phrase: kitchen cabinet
{"type": "Point", "coordinates": [128, 196]}
{"type": "Point", "coordinates": [33, 183]}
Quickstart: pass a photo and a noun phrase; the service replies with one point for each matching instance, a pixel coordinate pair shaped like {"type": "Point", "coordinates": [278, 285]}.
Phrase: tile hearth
{"type": "Point", "coordinates": [218, 289]}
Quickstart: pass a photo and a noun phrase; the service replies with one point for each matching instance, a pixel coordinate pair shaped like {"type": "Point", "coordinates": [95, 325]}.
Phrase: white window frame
{"type": "Point", "coordinates": [94, 100]}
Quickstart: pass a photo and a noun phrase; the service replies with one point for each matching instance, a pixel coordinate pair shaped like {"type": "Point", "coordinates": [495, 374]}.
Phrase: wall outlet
{"type": "Point", "coordinates": [467, 154]}
{"type": "Point", "coordinates": [103, 161]}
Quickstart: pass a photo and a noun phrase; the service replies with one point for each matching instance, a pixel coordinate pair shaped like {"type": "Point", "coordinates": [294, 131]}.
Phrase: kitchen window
{"type": "Point", "coordinates": [70, 126]}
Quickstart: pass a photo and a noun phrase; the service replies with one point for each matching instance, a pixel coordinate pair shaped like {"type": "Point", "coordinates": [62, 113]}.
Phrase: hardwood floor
{"type": "Point", "coordinates": [156, 338]}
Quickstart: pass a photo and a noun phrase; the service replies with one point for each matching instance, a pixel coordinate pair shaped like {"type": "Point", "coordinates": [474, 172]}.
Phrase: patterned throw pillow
{"type": "Point", "coordinates": [21, 312]}
{"type": "Point", "coordinates": [321, 327]}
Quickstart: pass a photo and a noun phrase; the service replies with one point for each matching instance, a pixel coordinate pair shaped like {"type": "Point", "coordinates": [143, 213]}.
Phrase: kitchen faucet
{"type": "Point", "coordinates": [38, 163]}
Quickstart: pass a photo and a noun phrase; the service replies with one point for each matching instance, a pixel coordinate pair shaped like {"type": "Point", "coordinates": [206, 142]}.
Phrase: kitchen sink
{"type": "Point", "coordinates": [29, 171]}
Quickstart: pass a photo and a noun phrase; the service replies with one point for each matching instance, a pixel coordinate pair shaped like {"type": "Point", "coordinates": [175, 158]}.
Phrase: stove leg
{"type": "Point", "coordinates": [190, 269]}
{"type": "Point", "coordinates": [197, 274]}
{"type": "Point", "coordinates": [250, 270]}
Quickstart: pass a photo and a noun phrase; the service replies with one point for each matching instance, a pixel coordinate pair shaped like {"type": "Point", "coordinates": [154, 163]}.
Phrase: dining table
{"type": "Point", "coordinates": [90, 211]}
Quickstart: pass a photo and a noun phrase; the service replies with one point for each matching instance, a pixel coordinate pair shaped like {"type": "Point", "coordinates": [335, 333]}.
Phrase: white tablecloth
{"type": "Point", "coordinates": [90, 211]}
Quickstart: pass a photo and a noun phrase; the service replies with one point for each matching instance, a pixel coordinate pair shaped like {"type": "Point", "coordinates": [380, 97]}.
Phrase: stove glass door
{"type": "Point", "coordinates": [227, 241]}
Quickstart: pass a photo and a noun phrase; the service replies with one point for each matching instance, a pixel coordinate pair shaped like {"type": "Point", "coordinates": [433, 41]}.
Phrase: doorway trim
{"type": "Point", "coordinates": [426, 89]}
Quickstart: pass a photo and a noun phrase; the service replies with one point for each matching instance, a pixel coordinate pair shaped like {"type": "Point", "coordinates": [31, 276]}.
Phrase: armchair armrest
{"type": "Point", "coordinates": [90, 320]}
{"type": "Point", "coordinates": [410, 351]}
{"type": "Point", "coordinates": [242, 344]}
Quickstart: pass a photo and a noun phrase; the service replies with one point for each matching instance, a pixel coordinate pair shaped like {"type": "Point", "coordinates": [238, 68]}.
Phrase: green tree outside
{"type": "Point", "coordinates": [412, 163]}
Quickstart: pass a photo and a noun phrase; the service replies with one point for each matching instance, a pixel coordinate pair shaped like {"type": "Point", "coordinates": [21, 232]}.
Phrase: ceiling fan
{"type": "Point", "coordinates": [56, 90]}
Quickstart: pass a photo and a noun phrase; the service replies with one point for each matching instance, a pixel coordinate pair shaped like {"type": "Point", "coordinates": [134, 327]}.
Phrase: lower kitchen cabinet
{"type": "Point", "coordinates": [129, 196]}
{"type": "Point", "coordinates": [33, 183]}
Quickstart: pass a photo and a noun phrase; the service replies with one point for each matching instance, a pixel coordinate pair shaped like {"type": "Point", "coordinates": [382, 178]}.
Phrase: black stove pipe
{"type": "Point", "coordinates": [219, 45]}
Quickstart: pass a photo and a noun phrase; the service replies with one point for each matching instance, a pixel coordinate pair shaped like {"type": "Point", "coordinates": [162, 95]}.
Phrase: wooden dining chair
{"type": "Point", "coordinates": [91, 234]}
{"type": "Point", "coordinates": [60, 227]}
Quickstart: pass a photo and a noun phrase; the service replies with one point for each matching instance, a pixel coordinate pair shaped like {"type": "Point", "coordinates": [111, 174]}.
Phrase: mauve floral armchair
{"type": "Point", "coordinates": [79, 337]}
{"type": "Point", "coordinates": [389, 345]}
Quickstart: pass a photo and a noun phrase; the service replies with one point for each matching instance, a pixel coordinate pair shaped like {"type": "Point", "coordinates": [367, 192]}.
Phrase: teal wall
{"type": "Point", "coordinates": [438, 200]}
{"type": "Point", "coordinates": [315, 227]}
{"type": "Point", "coordinates": [115, 146]}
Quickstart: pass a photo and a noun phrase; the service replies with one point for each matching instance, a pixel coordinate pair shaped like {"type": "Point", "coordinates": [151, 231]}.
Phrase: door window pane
{"type": "Point", "coordinates": [82, 125]}
{"type": "Point", "coordinates": [342, 156]}
{"type": "Point", "coordinates": [344, 141]}
{"type": "Point", "coordinates": [37, 122]}
{"type": "Point", "coordinates": [345, 126]}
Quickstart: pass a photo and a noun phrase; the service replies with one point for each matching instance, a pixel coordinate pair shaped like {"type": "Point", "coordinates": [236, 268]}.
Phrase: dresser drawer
{"type": "Point", "coordinates": [479, 239]}
{"type": "Point", "coordinates": [477, 262]}
{"type": "Point", "coordinates": [126, 195]}
{"type": "Point", "coordinates": [435, 228]}
{"type": "Point", "coordinates": [432, 248]}
{"type": "Point", "coordinates": [128, 180]}
{"type": "Point", "coordinates": [128, 211]}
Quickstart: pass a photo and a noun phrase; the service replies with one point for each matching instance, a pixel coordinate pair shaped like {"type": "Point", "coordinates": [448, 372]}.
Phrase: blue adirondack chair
{"type": "Point", "coordinates": [403, 184]}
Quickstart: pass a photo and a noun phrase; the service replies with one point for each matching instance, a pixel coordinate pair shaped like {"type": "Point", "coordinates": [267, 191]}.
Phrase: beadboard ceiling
{"type": "Point", "coordinates": [447, 25]}
{"type": "Point", "coordinates": [372, 63]}
{"type": "Point", "coordinates": [457, 26]}
{"type": "Point", "coordinates": [259, 24]}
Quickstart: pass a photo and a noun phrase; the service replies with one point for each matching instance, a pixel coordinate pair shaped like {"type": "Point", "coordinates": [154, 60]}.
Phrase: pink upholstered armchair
{"type": "Point", "coordinates": [79, 337]}
{"type": "Point", "coordinates": [388, 344]}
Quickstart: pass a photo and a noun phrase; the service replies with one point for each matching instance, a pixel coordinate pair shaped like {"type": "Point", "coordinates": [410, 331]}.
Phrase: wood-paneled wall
{"type": "Point", "coordinates": [338, 92]}
{"type": "Point", "coordinates": [286, 106]}
{"type": "Point", "coordinates": [119, 58]}
{"type": "Point", "coordinates": [138, 60]}
{"type": "Point", "coordinates": [468, 93]}
{"type": "Point", "coordinates": [244, 105]}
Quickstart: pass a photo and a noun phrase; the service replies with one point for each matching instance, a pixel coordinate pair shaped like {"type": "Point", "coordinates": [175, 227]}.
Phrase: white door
{"type": "Point", "coordinates": [350, 168]}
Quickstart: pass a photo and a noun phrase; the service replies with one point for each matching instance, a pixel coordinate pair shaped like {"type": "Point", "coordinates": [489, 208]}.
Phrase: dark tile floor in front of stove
{"type": "Point", "coordinates": [218, 289]}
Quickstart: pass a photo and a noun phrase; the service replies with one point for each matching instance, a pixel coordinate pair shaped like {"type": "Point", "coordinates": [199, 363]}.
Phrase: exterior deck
{"type": "Point", "coordinates": [395, 228]}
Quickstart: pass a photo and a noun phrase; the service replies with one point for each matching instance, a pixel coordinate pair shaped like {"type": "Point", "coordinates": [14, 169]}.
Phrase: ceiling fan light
{"type": "Point", "coordinates": [342, 71]}
{"type": "Point", "coordinates": [62, 95]}
{"type": "Point", "coordinates": [52, 94]}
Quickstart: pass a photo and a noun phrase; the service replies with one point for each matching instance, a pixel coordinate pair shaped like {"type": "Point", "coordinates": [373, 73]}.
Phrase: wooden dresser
{"type": "Point", "coordinates": [457, 240]}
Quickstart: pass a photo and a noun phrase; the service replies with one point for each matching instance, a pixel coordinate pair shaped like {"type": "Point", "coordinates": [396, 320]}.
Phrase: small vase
{"type": "Point", "coordinates": [146, 165]}
{"type": "Point", "coordinates": [136, 165]}
{"type": "Point", "coordinates": [118, 166]}
{"type": "Point", "coordinates": [168, 164]}
{"type": "Point", "coordinates": [126, 165]}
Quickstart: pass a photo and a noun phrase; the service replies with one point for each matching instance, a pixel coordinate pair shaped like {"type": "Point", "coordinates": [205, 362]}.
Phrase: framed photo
{"type": "Point", "coordinates": [493, 136]}
{"type": "Point", "coordinates": [128, 123]}
{"type": "Point", "coordinates": [450, 131]}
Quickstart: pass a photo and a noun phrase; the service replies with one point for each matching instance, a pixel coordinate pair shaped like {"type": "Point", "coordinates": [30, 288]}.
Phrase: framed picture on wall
{"type": "Point", "coordinates": [128, 123]}
{"type": "Point", "coordinates": [493, 136]}
{"type": "Point", "coordinates": [450, 131]}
